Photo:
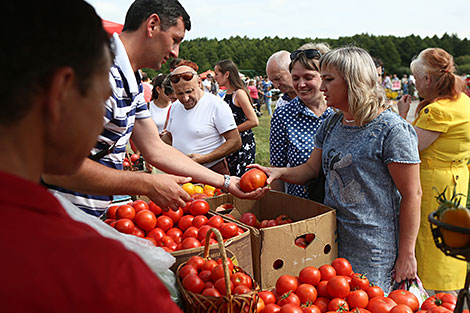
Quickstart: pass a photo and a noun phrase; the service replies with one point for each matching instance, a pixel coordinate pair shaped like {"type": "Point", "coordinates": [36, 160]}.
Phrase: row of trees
{"type": "Point", "coordinates": [252, 54]}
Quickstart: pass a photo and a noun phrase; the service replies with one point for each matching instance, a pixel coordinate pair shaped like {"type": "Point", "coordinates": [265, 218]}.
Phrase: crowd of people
{"type": "Point", "coordinates": [86, 97]}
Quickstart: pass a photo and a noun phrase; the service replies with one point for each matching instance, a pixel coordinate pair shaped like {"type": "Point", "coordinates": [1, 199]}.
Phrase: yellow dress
{"type": "Point", "coordinates": [443, 163]}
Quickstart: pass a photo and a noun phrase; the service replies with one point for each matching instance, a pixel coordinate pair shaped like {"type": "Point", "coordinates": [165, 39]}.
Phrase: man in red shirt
{"type": "Point", "coordinates": [52, 113]}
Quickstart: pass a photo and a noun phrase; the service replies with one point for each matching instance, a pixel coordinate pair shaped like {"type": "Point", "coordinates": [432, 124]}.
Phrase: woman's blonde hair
{"type": "Point", "coordinates": [365, 95]}
{"type": "Point", "coordinates": [439, 65]}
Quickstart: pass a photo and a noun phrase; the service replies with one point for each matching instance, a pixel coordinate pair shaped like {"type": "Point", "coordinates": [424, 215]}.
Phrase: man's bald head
{"type": "Point", "coordinates": [277, 69]}
{"type": "Point", "coordinates": [185, 82]}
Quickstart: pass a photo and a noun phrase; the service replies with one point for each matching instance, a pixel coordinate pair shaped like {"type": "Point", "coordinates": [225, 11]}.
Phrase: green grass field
{"type": "Point", "coordinates": [262, 138]}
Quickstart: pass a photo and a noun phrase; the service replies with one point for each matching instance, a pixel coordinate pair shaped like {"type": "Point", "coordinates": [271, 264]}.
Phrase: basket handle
{"type": "Point", "coordinates": [223, 254]}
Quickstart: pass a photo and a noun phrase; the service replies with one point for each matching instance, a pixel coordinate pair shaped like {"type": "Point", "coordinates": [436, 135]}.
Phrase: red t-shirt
{"type": "Point", "coordinates": [51, 263]}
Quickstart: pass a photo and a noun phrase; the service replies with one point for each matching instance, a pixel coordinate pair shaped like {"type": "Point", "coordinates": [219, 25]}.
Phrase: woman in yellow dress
{"type": "Point", "coordinates": [443, 128]}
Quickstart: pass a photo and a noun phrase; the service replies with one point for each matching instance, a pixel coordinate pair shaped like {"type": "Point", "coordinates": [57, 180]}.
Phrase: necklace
{"type": "Point", "coordinates": [348, 121]}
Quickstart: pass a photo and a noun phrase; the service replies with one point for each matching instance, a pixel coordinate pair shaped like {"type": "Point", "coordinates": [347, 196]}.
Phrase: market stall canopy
{"type": "Point", "coordinates": [112, 27]}
{"type": "Point", "coordinates": [204, 74]}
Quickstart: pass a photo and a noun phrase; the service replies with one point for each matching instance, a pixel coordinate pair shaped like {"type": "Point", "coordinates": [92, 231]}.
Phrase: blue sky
{"type": "Point", "coordinates": [312, 18]}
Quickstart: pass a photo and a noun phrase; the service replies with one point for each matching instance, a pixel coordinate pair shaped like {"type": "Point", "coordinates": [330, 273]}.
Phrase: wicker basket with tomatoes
{"type": "Point", "coordinates": [450, 225]}
{"type": "Point", "coordinates": [216, 286]}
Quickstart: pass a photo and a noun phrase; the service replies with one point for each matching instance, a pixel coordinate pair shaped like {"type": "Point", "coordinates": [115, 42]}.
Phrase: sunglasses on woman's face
{"type": "Point", "coordinates": [187, 76]}
{"type": "Point", "coordinates": [309, 54]}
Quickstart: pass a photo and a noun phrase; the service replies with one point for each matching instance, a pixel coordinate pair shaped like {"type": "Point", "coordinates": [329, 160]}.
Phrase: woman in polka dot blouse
{"type": "Point", "coordinates": [294, 125]}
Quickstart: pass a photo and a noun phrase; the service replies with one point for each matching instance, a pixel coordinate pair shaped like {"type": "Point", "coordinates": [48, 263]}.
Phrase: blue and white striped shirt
{"type": "Point", "coordinates": [124, 106]}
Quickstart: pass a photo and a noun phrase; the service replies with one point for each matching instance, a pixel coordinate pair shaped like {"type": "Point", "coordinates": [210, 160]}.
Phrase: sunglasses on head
{"type": "Point", "coordinates": [309, 54]}
{"type": "Point", "coordinates": [187, 76]}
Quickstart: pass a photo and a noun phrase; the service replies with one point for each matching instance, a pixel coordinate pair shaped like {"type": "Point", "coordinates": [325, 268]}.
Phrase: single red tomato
{"type": "Point", "coordinates": [289, 297]}
{"type": "Point", "coordinates": [240, 289]}
{"type": "Point", "coordinates": [125, 226]}
{"type": "Point", "coordinates": [252, 180]}
{"type": "Point", "coordinates": [342, 267]}
{"type": "Point", "coordinates": [327, 271]}
{"type": "Point", "coordinates": [322, 303]}
{"type": "Point", "coordinates": [309, 237]}
{"type": "Point", "coordinates": [443, 299]}
{"type": "Point", "coordinates": [199, 220]}
{"type": "Point", "coordinates": [374, 291]}
{"type": "Point", "coordinates": [267, 296]}
{"type": "Point", "coordinates": [157, 234]}
{"type": "Point", "coordinates": [229, 263]}
{"type": "Point", "coordinates": [338, 304]}
{"type": "Point", "coordinates": [176, 234]}
{"type": "Point", "coordinates": [164, 222]}
{"type": "Point", "coordinates": [209, 265]}
{"type": "Point", "coordinates": [380, 305]}
{"type": "Point", "coordinates": [111, 211]}
{"type": "Point", "coordinates": [110, 221]}
{"type": "Point", "coordinates": [263, 224]}
{"type": "Point", "coordinates": [228, 230]}
{"type": "Point", "coordinates": [401, 308]}
{"type": "Point", "coordinates": [359, 281]}
{"type": "Point", "coordinates": [307, 293]}
{"type": "Point", "coordinates": [189, 243]}
{"type": "Point", "coordinates": [300, 242]}
{"type": "Point", "coordinates": [271, 223]}
{"type": "Point", "coordinates": [439, 309]}
{"type": "Point", "coordinates": [338, 287]}
{"type": "Point", "coordinates": [138, 232]}
{"type": "Point", "coordinates": [221, 287]}
{"type": "Point", "coordinates": [283, 219]}
{"type": "Point", "coordinates": [358, 299]}
{"type": "Point", "coordinates": [135, 157]}
{"type": "Point", "coordinates": [185, 222]}
{"type": "Point", "coordinates": [125, 211]}
{"type": "Point", "coordinates": [174, 215]}
{"type": "Point", "coordinates": [405, 297]}
{"type": "Point", "coordinates": [248, 219]}
{"type": "Point", "coordinates": [186, 270]}
{"type": "Point", "coordinates": [186, 207]}
{"type": "Point", "coordinates": [312, 308]}
{"type": "Point", "coordinates": [199, 207]}
{"type": "Point", "coordinates": [196, 261]}
{"type": "Point", "coordinates": [272, 308]}
{"type": "Point", "coordinates": [286, 283]}
{"type": "Point", "coordinates": [155, 208]}
{"type": "Point", "coordinates": [193, 283]}
{"type": "Point", "coordinates": [217, 272]}
{"type": "Point", "coordinates": [191, 232]}
{"type": "Point", "coordinates": [211, 292]}
{"type": "Point", "coordinates": [241, 279]}
{"type": "Point", "coordinates": [215, 221]}
{"type": "Point", "coordinates": [145, 220]}
{"type": "Point", "coordinates": [322, 289]}
{"type": "Point", "coordinates": [166, 241]}
{"type": "Point", "coordinates": [290, 308]}
{"type": "Point", "coordinates": [310, 275]}
{"type": "Point", "coordinates": [201, 233]}
{"type": "Point", "coordinates": [140, 205]}
{"type": "Point", "coordinates": [205, 275]}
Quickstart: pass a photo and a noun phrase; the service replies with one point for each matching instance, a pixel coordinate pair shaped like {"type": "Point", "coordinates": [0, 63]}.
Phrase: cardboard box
{"type": "Point", "coordinates": [237, 248]}
{"type": "Point", "coordinates": [274, 251]}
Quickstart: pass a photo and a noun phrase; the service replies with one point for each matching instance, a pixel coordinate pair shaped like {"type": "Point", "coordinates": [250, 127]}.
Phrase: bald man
{"type": "Point", "coordinates": [277, 69]}
{"type": "Point", "coordinates": [201, 125]}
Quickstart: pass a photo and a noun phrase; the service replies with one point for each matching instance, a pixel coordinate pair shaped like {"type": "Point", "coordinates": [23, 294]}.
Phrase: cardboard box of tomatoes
{"type": "Point", "coordinates": [274, 249]}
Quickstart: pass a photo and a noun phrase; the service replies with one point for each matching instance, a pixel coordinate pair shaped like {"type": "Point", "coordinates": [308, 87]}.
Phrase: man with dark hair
{"type": "Point", "coordinates": [153, 31]}
{"type": "Point", "coordinates": [52, 113]}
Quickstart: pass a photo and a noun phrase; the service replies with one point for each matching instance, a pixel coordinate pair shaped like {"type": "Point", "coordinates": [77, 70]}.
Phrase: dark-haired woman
{"type": "Point", "coordinates": [238, 97]}
{"type": "Point", "coordinates": [443, 128]}
{"type": "Point", "coordinates": [160, 104]}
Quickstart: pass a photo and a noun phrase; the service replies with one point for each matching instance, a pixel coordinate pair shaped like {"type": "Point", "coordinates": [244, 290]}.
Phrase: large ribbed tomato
{"type": "Point", "coordinates": [252, 180]}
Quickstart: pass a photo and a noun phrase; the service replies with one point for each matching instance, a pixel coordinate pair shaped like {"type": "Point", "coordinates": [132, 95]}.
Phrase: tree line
{"type": "Point", "coordinates": [251, 55]}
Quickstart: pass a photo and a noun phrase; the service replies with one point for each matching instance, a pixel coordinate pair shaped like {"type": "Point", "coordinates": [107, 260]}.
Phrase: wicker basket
{"type": "Point", "coordinates": [229, 303]}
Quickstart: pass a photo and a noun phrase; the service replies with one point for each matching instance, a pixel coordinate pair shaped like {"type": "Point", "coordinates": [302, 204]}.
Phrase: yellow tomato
{"type": "Point", "coordinates": [198, 189]}
{"type": "Point", "coordinates": [189, 188]}
{"type": "Point", "coordinates": [209, 190]}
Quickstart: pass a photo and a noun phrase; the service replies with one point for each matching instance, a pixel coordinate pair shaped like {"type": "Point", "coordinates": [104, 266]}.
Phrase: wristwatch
{"type": "Point", "coordinates": [226, 183]}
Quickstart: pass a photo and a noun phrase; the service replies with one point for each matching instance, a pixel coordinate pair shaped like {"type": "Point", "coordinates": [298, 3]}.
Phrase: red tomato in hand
{"type": "Point", "coordinates": [286, 283]}
{"type": "Point", "coordinates": [248, 219]}
{"type": "Point", "coordinates": [146, 220]}
{"type": "Point", "coordinates": [405, 297]}
{"type": "Point", "coordinates": [252, 180]}
{"type": "Point", "coordinates": [342, 267]}
{"type": "Point", "coordinates": [310, 275]}
{"type": "Point", "coordinates": [199, 207]}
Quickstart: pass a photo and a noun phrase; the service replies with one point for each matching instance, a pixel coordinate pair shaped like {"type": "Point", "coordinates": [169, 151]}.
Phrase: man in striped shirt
{"type": "Point", "coordinates": [152, 33]}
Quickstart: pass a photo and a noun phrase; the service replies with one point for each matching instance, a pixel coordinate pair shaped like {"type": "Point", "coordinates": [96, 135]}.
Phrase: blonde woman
{"type": "Point", "coordinates": [370, 158]}
{"type": "Point", "coordinates": [443, 128]}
